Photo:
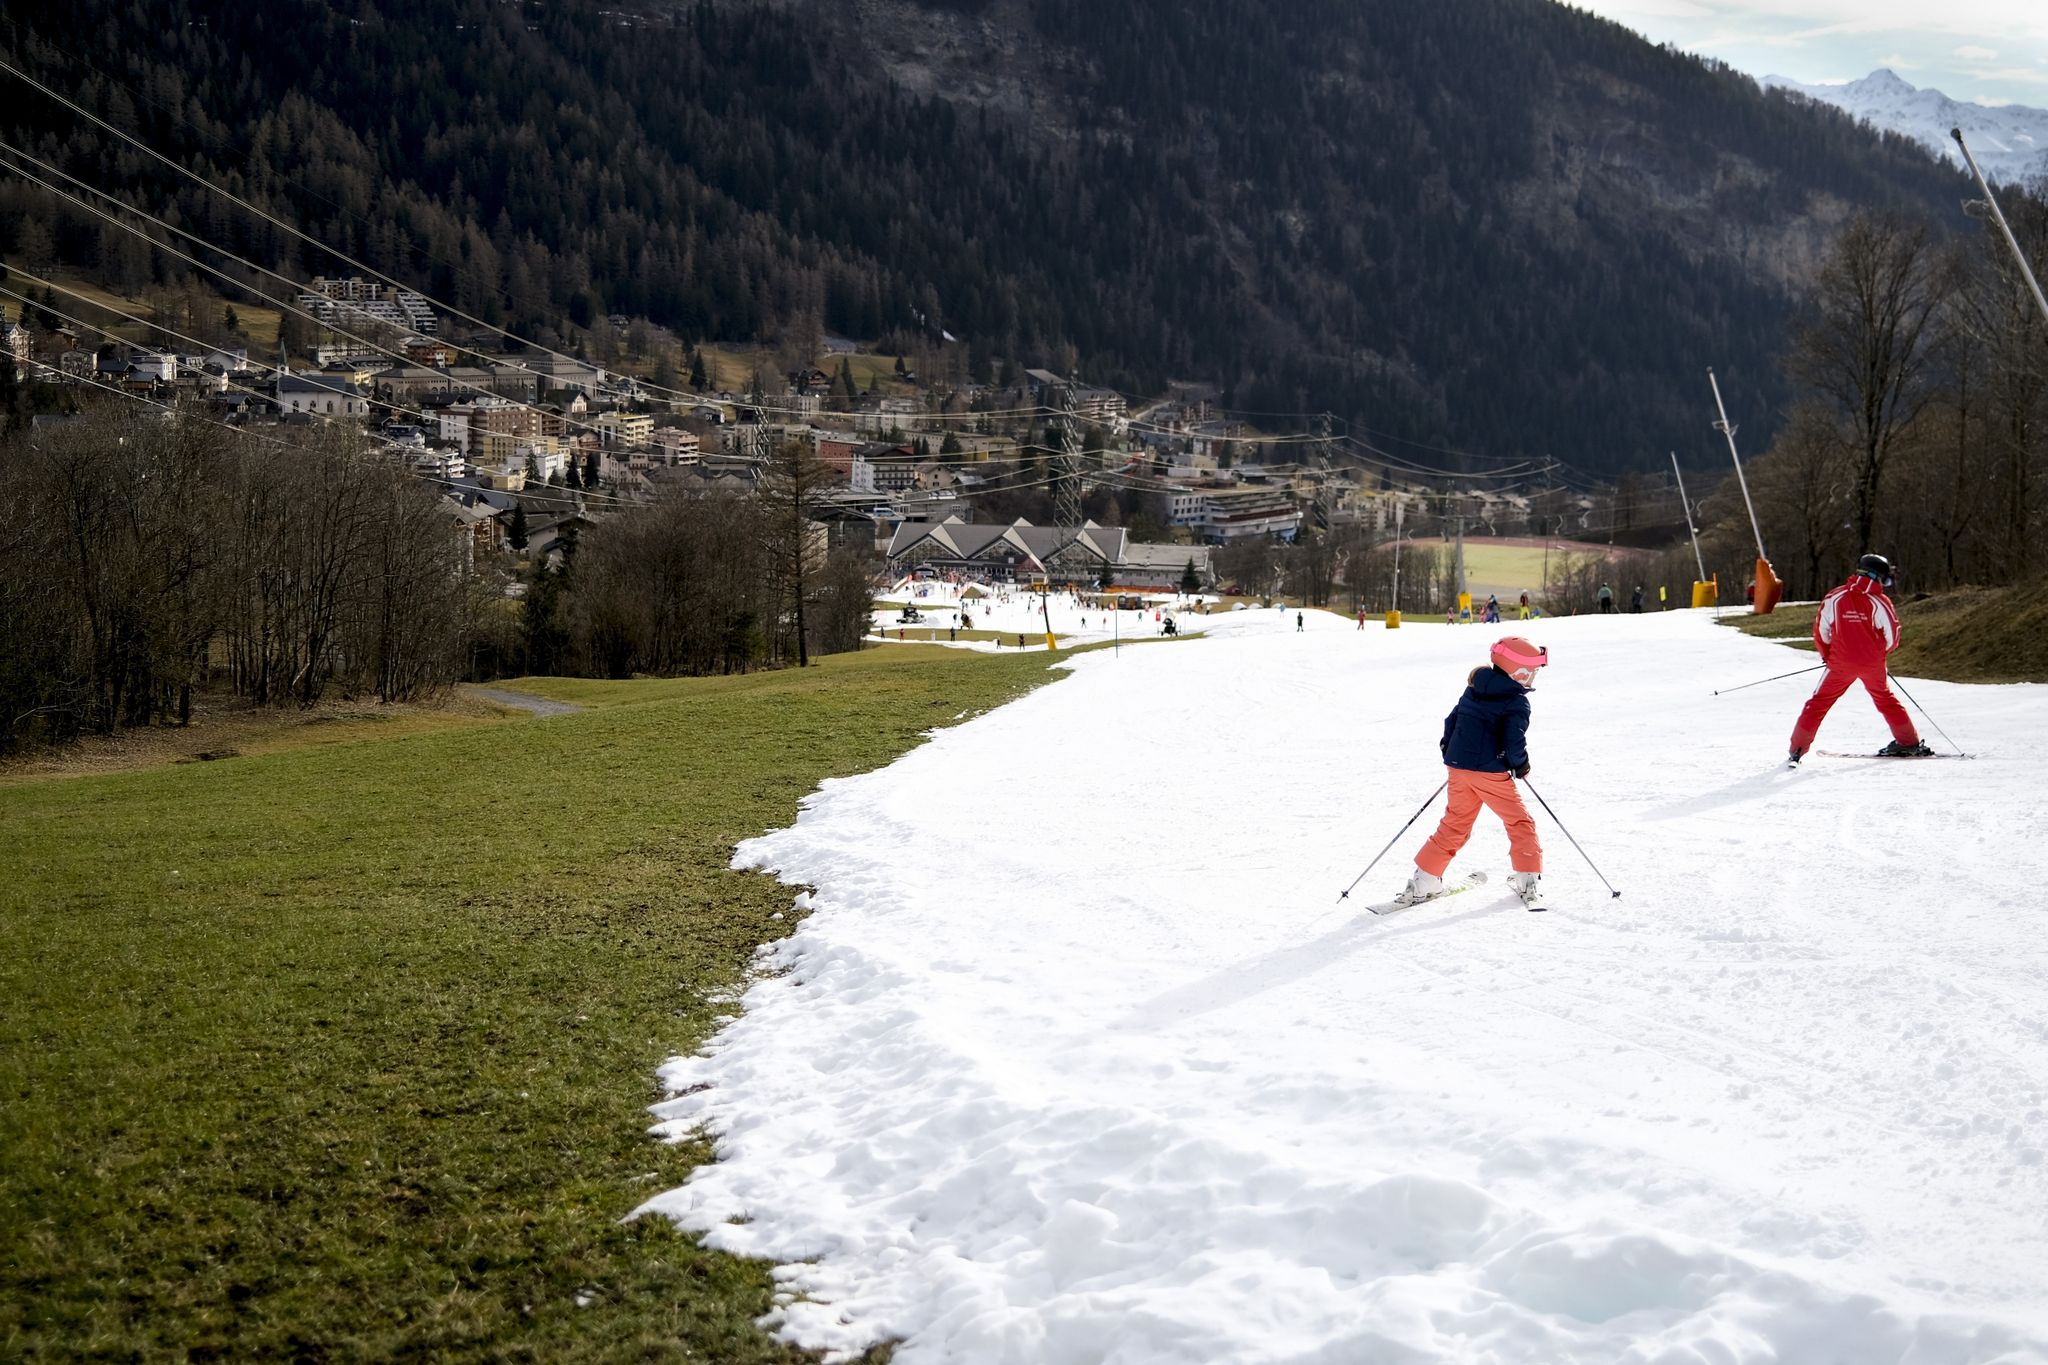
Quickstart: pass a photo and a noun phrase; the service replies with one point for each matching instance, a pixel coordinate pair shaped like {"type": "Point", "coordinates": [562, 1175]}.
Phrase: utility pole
{"type": "Point", "coordinates": [1461, 547]}
{"type": "Point", "coordinates": [1318, 517]}
{"type": "Point", "coordinates": [1066, 500]}
{"type": "Point", "coordinates": [1399, 508]}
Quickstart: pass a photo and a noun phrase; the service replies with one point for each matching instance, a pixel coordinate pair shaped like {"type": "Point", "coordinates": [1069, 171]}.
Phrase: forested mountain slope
{"type": "Point", "coordinates": [1499, 224]}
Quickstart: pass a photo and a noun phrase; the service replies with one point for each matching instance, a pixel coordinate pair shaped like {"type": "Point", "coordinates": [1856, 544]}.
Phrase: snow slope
{"type": "Point", "coordinates": [1076, 1058]}
{"type": "Point", "coordinates": [2010, 141]}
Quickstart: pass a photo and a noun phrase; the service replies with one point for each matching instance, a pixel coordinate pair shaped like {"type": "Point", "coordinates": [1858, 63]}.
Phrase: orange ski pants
{"type": "Point", "coordinates": [1468, 792]}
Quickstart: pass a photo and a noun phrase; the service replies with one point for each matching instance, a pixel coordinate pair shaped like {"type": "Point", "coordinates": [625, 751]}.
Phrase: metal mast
{"type": "Point", "coordinates": [1727, 428]}
{"type": "Point", "coordinates": [1688, 517]}
{"type": "Point", "coordinates": [1066, 471]}
{"type": "Point", "coordinates": [1767, 586]}
{"type": "Point", "coordinates": [1998, 215]}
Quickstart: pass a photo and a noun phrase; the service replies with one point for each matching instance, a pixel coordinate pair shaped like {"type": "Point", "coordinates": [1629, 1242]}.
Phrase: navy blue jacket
{"type": "Point", "coordinates": [1488, 730]}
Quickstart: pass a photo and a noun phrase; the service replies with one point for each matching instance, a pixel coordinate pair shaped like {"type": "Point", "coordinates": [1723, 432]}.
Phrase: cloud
{"type": "Point", "coordinates": [1898, 63]}
{"type": "Point", "coordinates": [1970, 52]}
{"type": "Point", "coordinates": [2025, 75]}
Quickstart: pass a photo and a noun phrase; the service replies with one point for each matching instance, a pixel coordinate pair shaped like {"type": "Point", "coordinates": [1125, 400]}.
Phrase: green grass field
{"type": "Point", "coordinates": [1506, 570]}
{"type": "Point", "coordinates": [258, 322]}
{"type": "Point", "coordinates": [342, 1052]}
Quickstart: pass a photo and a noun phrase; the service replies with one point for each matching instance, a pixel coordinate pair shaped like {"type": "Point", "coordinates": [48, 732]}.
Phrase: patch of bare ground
{"type": "Point", "coordinates": [225, 727]}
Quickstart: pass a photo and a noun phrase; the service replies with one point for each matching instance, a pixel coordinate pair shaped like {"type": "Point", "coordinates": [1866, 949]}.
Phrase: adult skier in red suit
{"type": "Point", "coordinates": [1856, 630]}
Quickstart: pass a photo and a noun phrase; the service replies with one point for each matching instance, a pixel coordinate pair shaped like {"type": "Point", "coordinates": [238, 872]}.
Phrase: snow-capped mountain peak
{"type": "Point", "coordinates": [2010, 141]}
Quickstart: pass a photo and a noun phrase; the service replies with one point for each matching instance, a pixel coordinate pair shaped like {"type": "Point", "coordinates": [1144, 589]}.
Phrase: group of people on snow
{"type": "Point", "coordinates": [1635, 599]}
{"type": "Point", "coordinates": [1485, 739]}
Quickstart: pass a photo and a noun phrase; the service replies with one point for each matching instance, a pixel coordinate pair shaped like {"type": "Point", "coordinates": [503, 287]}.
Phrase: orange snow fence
{"type": "Point", "coordinates": [1768, 588]}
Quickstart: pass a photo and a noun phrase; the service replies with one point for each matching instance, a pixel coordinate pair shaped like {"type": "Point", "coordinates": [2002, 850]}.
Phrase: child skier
{"type": "Point", "coordinates": [1856, 629]}
{"type": "Point", "coordinates": [1485, 749]}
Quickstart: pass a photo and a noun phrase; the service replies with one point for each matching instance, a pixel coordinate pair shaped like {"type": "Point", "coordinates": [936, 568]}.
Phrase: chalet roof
{"type": "Point", "coordinates": [317, 383]}
{"type": "Point", "coordinates": [1143, 555]}
{"type": "Point", "coordinates": [467, 512]}
{"type": "Point", "coordinates": [700, 479]}
{"type": "Point", "coordinates": [975, 540]}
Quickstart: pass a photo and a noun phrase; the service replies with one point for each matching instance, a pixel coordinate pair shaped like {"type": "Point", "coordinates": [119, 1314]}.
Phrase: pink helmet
{"type": "Point", "coordinates": [1519, 659]}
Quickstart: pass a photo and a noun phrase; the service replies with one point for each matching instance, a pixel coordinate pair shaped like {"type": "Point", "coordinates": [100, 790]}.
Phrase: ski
{"type": "Point", "coordinates": [1450, 889]}
{"type": "Point", "coordinates": [1911, 758]}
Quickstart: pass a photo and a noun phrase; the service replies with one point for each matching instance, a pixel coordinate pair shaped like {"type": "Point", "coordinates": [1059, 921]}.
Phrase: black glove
{"type": "Point", "coordinates": [1522, 770]}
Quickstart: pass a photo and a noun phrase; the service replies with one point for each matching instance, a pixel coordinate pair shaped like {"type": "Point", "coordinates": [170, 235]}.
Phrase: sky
{"type": "Point", "coordinates": [1984, 51]}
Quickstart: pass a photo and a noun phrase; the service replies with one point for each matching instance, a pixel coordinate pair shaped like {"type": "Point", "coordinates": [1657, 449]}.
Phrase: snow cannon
{"type": "Point", "coordinates": [1768, 589]}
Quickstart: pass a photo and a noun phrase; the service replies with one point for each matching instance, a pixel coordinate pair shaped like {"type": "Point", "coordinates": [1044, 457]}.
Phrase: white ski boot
{"type": "Point", "coordinates": [1529, 886]}
{"type": "Point", "coordinates": [1421, 887]}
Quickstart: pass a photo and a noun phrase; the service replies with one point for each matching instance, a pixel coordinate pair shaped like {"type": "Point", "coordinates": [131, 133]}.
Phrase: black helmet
{"type": "Point", "coordinates": [1876, 566]}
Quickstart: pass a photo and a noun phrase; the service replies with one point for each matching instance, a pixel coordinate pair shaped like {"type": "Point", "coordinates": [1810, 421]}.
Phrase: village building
{"type": "Point", "coordinates": [1241, 512]}
{"type": "Point", "coordinates": [319, 395]}
{"type": "Point", "coordinates": [353, 302]}
{"type": "Point", "coordinates": [624, 430]}
{"type": "Point", "coordinates": [671, 446]}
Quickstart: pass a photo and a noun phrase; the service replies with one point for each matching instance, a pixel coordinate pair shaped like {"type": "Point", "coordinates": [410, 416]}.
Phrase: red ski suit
{"type": "Point", "coordinates": [1856, 629]}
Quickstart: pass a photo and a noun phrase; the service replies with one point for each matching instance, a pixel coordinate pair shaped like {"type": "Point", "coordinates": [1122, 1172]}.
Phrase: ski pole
{"type": "Point", "coordinates": [1397, 834]}
{"type": "Point", "coordinates": [1930, 720]}
{"type": "Point", "coordinates": [1568, 834]}
{"type": "Point", "coordinates": [1760, 682]}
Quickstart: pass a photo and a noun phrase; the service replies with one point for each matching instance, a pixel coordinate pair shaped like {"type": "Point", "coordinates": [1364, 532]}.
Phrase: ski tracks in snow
{"type": "Point", "coordinates": [1071, 1064]}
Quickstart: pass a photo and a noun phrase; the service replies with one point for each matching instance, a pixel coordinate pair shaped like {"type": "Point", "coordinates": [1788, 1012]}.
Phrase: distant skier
{"type": "Point", "coordinates": [1856, 629]}
{"type": "Point", "coordinates": [1635, 601]}
{"type": "Point", "coordinates": [1524, 612]}
{"type": "Point", "coordinates": [1485, 748]}
{"type": "Point", "coordinates": [1300, 621]}
{"type": "Point", "coordinates": [1606, 599]}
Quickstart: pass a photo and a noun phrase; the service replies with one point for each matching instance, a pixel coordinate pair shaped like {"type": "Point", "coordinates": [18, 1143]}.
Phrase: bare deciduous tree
{"type": "Point", "coordinates": [796, 545]}
{"type": "Point", "coordinates": [155, 549]}
{"type": "Point", "coordinates": [1865, 348]}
